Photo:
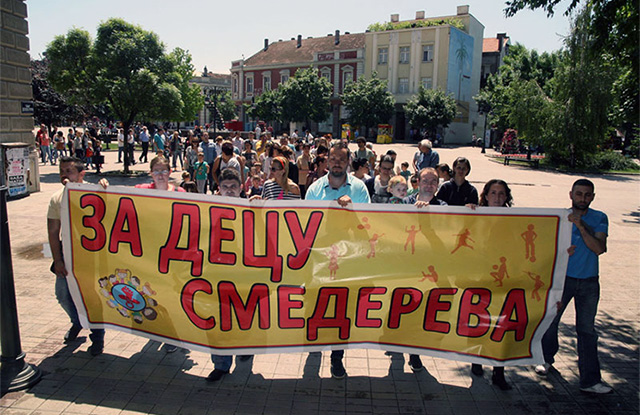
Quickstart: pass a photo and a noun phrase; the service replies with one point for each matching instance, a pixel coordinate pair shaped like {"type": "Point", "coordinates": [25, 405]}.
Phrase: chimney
{"type": "Point", "coordinates": [501, 37]}
{"type": "Point", "coordinates": [337, 39]}
{"type": "Point", "coordinates": [266, 44]}
{"type": "Point", "coordinates": [420, 15]}
{"type": "Point", "coordinates": [463, 10]}
{"type": "Point", "coordinates": [395, 18]}
{"type": "Point", "coordinates": [299, 41]}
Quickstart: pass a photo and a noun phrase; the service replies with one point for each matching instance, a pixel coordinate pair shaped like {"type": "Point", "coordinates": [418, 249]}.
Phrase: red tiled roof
{"type": "Point", "coordinates": [286, 52]}
{"type": "Point", "coordinates": [491, 44]}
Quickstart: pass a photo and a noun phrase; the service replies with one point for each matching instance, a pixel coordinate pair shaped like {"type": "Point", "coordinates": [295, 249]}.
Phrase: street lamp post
{"type": "Point", "coordinates": [16, 374]}
{"type": "Point", "coordinates": [211, 102]}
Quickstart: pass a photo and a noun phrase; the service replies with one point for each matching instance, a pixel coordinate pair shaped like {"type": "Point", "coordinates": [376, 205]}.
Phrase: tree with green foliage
{"type": "Point", "coordinates": [582, 98]}
{"type": "Point", "coordinates": [125, 67]}
{"type": "Point", "coordinates": [430, 109]}
{"type": "Point", "coordinates": [369, 102]}
{"type": "Point", "coordinates": [306, 96]}
{"type": "Point", "coordinates": [613, 26]}
{"type": "Point", "coordinates": [267, 106]}
{"type": "Point", "coordinates": [51, 107]}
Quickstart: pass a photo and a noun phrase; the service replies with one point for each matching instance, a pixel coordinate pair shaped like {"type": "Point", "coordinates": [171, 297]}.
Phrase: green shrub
{"type": "Point", "coordinates": [611, 160]}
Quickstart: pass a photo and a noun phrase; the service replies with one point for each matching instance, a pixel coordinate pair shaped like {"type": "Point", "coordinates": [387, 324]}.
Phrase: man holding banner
{"type": "Point", "coordinates": [588, 241]}
{"type": "Point", "coordinates": [345, 189]}
{"type": "Point", "coordinates": [71, 170]}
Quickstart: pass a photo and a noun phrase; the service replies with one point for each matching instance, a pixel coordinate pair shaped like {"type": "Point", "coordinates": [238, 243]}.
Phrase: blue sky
{"type": "Point", "coordinates": [217, 33]}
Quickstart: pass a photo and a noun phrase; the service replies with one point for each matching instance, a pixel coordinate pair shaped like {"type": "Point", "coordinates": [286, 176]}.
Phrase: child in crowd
{"type": "Point", "coordinates": [444, 173]}
{"type": "Point", "coordinates": [398, 189]}
{"type": "Point", "coordinates": [414, 185]}
{"type": "Point", "coordinates": [201, 169]}
{"type": "Point", "coordinates": [404, 171]}
{"type": "Point", "coordinates": [256, 186]}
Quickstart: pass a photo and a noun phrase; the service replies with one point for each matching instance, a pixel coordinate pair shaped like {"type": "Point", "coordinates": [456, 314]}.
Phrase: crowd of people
{"type": "Point", "coordinates": [261, 167]}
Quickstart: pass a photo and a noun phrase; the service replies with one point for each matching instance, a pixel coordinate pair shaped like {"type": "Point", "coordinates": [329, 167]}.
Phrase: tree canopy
{"type": "Point", "coordinates": [368, 101]}
{"type": "Point", "coordinates": [430, 109]}
{"type": "Point", "coordinates": [127, 68]}
{"type": "Point", "coordinates": [305, 97]}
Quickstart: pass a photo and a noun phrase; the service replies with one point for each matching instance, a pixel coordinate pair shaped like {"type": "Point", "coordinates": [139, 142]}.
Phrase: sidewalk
{"type": "Point", "coordinates": [135, 376]}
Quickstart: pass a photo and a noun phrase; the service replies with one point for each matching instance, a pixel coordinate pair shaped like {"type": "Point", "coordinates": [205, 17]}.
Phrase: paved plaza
{"type": "Point", "coordinates": [135, 376]}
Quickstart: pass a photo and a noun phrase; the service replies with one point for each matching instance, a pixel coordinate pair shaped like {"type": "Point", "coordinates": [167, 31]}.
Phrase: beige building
{"type": "Point", "coordinates": [433, 53]}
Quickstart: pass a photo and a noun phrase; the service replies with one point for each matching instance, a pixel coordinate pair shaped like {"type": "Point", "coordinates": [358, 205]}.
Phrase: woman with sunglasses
{"type": "Point", "coordinates": [280, 186]}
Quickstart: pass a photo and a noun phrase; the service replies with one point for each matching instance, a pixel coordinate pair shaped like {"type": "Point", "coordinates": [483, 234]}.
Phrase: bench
{"type": "Point", "coordinates": [533, 160]}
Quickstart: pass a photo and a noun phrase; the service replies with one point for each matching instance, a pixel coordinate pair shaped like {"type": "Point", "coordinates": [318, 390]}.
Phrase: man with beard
{"type": "Point", "coordinates": [588, 241]}
{"type": "Point", "coordinates": [345, 189]}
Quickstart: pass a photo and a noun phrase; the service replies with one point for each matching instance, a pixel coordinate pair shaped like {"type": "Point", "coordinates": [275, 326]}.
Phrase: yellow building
{"type": "Point", "coordinates": [437, 52]}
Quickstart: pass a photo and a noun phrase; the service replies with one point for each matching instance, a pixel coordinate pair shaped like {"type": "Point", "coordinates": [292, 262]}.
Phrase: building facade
{"type": "Point", "coordinates": [432, 53]}
{"type": "Point", "coordinates": [338, 57]}
{"type": "Point", "coordinates": [209, 83]}
{"type": "Point", "coordinates": [494, 49]}
{"type": "Point", "coordinates": [438, 52]}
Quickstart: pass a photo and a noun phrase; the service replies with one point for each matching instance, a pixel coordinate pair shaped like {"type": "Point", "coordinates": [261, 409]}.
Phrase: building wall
{"type": "Point", "coordinates": [15, 74]}
{"type": "Point", "coordinates": [416, 70]}
{"type": "Point", "coordinates": [16, 121]}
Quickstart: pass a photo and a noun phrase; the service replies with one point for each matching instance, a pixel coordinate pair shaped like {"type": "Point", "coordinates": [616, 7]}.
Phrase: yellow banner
{"type": "Point", "coordinates": [229, 276]}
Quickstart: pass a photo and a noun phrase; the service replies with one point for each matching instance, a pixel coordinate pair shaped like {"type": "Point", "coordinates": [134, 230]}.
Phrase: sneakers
{"type": "Point", "coordinates": [337, 369]}
{"type": "Point", "coordinates": [477, 369]}
{"type": "Point", "coordinates": [599, 388]}
{"type": "Point", "coordinates": [542, 369]}
{"type": "Point", "coordinates": [415, 363]}
{"type": "Point", "coordinates": [216, 375]}
{"type": "Point", "coordinates": [96, 348]}
{"type": "Point", "coordinates": [72, 333]}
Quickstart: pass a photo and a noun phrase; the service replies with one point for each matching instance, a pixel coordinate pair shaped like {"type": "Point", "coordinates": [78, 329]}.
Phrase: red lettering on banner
{"type": "Point", "coordinates": [170, 251]}
{"type": "Point", "coordinates": [478, 308]}
{"type": "Point", "coordinates": [365, 304]}
{"type": "Point", "coordinates": [339, 320]}
{"type": "Point", "coordinates": [302, 240]}
{"type": "Point", "coordinates": [434, 305]}
{"type": "Point", "coordinates": [93, 222]}
{"type": "Point", "coordinates": [218, 234]}
{"type": "Point", "coordinates": [270, 259]}
{"type": "Point", "coordinates": [285, 304]}
{"type": "Point", "coordinates": [515, 302]}
{"type": "Point", "coordinates": [125, 228]}
{"type": "Point", "coordinates": [230, 299]}
{"type": "Point", "coordinates": [187, 301]}
{"type": "Point", "coordinates": [398, 307]}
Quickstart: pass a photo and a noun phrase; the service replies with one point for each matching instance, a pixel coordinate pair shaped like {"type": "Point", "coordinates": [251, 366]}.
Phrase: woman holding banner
{"type": "Point", "coordinates": [496, 193]}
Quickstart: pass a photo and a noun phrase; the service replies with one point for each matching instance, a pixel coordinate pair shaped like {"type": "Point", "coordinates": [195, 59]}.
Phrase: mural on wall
{"type": "Point", "coordinates": [459, 71]}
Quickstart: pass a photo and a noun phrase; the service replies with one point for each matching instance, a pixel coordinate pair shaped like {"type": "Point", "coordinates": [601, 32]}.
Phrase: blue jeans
{"type": "Point", "coordinates": [221, 362]}
{"type": "Point", "coordinates": [585, 293]}
{"type": "Point", "coordinates": [66, 302]}
{"type": "Point", "coordinates": [120, 153]}
{"type": "Point", "coordinates": [45, 154]}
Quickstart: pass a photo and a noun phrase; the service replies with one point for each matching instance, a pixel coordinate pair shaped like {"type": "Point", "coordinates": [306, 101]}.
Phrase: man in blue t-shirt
{"type": "Point", "coordinates": [345, 189]}
{"type": "Point", "coordinates": [588, 241]}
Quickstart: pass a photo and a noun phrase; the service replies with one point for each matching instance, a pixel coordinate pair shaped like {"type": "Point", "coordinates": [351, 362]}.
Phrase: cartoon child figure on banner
{"type": "Point", "coordinates": [411, 238]}
{"type": "Point", "coordinates": [463, 239]}
{"type": "Point", "coordinates": [501, 271]}
{"type": "Point", "coordinates": [333, 254]}
{"type": "Point", "coordinates": [432, 275]}
{"type": "Point", "coordinates": [372, 244]}
{"type": "Point", "coordinates": [529, 237]}
{"type": "Point", "coordinates": [537, 285]}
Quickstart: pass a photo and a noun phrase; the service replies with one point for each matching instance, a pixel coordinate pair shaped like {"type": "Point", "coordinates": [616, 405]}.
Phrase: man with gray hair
{"type": "Point", "coordinates": [425, 157]}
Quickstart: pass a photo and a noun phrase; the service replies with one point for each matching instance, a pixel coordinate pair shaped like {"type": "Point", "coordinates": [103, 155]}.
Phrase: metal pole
{"type": "Point", "coordinates": [16, 374]}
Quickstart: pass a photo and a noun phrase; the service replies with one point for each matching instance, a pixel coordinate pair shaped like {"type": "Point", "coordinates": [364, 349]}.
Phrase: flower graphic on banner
{"type": "Point", "coordinates": [125, 293]}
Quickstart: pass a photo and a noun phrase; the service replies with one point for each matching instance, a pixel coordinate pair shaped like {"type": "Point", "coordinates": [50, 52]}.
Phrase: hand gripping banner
{"type": "Point", "coordinates": [228, 276]}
